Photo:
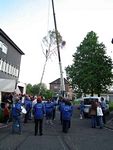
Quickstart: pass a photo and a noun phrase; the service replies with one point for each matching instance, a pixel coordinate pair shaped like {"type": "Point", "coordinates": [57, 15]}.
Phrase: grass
{"type": "Point", "coordinates": [111, 106]}
{"type": "Point", "coordinates": [76, 102]}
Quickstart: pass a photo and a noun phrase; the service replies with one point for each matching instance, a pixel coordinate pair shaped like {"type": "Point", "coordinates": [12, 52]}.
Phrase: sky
{"type": "Point", "coordinates": [26, 22]}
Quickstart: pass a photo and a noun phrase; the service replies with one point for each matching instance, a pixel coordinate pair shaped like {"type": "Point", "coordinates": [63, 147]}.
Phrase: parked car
{"type": "Point", "coordinates": [87, 105]}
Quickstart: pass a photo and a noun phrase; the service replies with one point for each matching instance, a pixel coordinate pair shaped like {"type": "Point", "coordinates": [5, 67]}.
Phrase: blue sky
{"type": "Point", "coordinates": [26, 22]}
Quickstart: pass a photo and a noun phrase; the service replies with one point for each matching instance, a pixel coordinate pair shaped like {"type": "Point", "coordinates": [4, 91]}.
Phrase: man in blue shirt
{"type": "Point", "coordinates": [28, 107]}
{"type": "Point", "coordinates": [49, 111]}
{"type": "Point", "coordinates": [66, 116]}
{"type": "Point", "coordinates": [16, 115]}
{"type": "Point", "coordinates": [38, 111]}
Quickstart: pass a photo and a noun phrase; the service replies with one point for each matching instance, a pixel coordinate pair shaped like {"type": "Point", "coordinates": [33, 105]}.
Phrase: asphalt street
{"type": "Point", "coordinates": [80, 137]}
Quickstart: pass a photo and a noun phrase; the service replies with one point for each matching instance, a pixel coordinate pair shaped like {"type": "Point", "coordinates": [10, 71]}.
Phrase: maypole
{"type": "Point", "coordinates": [62, 86]}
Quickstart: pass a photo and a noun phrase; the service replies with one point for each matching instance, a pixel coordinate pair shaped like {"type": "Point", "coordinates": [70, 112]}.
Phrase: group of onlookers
{"type": "Point", "coordinates": [27, 107]}
{"type": "Point", "coordinates": [96, 112]}
{"type": "Point", "coordinates": [36, 109]}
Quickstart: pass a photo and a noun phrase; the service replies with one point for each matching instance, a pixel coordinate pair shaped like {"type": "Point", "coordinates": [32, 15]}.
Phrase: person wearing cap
{"type": "Point", "coordinates": [38, 111]}
{"type": "Point", "coordinates": [16, 116]}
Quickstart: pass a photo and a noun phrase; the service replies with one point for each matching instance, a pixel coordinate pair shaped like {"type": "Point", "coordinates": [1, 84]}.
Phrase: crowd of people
{"type": "Point", "coordinates": [34, 108]}
{"type": "Point", "coordinates": [24, 108]}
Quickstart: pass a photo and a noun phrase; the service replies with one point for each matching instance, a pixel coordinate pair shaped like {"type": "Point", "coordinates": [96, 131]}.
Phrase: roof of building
{"type": "Point", "coordinates": [57, 81]}
{"type": "Point", "coordinates": [11, 42]}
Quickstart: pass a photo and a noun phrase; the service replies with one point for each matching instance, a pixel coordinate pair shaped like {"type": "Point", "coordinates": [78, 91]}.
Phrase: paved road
{"type": "Point", "coordinates": [80, 137]}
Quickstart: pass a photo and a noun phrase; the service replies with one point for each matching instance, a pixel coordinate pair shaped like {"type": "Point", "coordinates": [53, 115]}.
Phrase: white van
{"type": "Point", "coordinates": [87, 105]}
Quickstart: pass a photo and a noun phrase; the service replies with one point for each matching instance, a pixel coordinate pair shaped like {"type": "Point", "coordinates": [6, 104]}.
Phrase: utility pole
{"type": "Point", "coordinates": [62, 85]}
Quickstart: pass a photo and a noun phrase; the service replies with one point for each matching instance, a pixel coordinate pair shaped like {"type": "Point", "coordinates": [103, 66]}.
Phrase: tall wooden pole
{"type": "Point", "coordinates": [62, 85]}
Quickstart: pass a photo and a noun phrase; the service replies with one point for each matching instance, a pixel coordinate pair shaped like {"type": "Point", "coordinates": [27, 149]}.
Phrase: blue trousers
{"type": "Point", "coordinates": [66, 125]}
{"type": "Point", "coordinates": [93, 121]}
{"type": "Point", "coordinates": [16, 124]}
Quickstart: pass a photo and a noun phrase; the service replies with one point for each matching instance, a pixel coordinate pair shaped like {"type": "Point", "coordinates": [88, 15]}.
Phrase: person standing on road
{"type": "Point", "coordinates": [66, 116]}
{"type": "Point", "coordinates": [16, 116]}
{"type": "Point", "coordinates": [93, 114]}
{"type": "Point", "coordinates": [103, 106]}
{"type": "Point", "coordinates": [81, 109]}
{"type": "Point", "coordinates": [61, 104]}
{"type": "Point", "coordinates": [54, 108]}
{"type": "Point", "coordinates": [49, 111]}
{"type": "Point", "coordinates": [6, 113]}
{"type": "Point", "coordinates": [28, 107]}
{"type": "Point", "coordinates": [38, 111]}
{"type": "Point", "coordinates": [99, 115]}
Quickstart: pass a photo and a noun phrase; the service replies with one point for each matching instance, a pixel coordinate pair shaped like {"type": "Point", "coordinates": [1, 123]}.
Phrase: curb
{"type": "Point", "coordinates": [4, 126]}
{"type": "Point", "coordinates": [108, 124]}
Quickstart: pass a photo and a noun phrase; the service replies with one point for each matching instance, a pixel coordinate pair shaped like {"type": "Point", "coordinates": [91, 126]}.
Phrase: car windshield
{"type": "Point", "coordinates": [87, 101]}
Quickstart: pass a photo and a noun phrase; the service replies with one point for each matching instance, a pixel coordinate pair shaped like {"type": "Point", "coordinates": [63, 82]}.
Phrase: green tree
{"type": "Point", "coordinates": [91, 71]}
{"type": "Point", "coordinates": [48, 94]}
{"type": "Point", "coordinates": [34, 90]}
{"type": "Point", "coordinates": [29, 89]}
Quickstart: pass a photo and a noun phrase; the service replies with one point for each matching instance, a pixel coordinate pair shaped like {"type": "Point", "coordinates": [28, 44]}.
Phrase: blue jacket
{"type": "Point", "coordinates": [66, 112]}
{"type": "Point", "coordinates": [28, 104]}
{"type": "Point", "coordinates": [61, 105]}
{"type": "Point", "coordinates": [38, 110]}
{"type": "Point", "coordinates": [16, 110]}
{"type": "Point", "coordinates": [54, 104]}
{"type": "Point", "coordinates": [49, 107]}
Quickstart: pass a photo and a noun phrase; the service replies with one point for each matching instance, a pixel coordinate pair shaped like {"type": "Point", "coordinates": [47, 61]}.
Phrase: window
{"type": "Point", "coordinates": [3, 47]}
{"type": "Point", "coordinates": [7, 68]}
{"type": "Point", "coordinates": [17, 72]}
{"type": "Point", "coordinates": [14, 71]}
{"type": "Point", "coordinates": [0, 45]}
{"type": "Point", "coordinates": [1, 64]}
{"type": "Point", "coordinates": [55, 87]}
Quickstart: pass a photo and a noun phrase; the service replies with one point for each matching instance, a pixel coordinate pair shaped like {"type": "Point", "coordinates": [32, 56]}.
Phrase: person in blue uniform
{"type": "Point", "coordinates": [28, 107]}
{"type": "Point", "coordinates": [49, 111]}
{"type": "Point", "coordinates": [16, 116]}
{"type": "Point", "coordinates": [66, 116]}
{"type": "Point", "coordinates": [61, 104]}
{"type": "Point", "coordinates": [38, 111]}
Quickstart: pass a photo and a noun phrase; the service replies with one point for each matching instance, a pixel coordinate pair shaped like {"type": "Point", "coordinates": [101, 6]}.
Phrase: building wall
{"type": "Point", "coordinates": [56, 88]}
{"type": "Point", "coordinates": [12, 57]}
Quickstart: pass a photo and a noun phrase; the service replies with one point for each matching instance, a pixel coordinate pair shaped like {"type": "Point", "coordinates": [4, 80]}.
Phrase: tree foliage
{"type": "Point", "coordinates": [29, 89]}
{"type": "Point", "coordinates": [50, 42]}
{"type": "Point", "coordinates": [34, 90]}
{"type": "Point", "coordinates": [91, 71]}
